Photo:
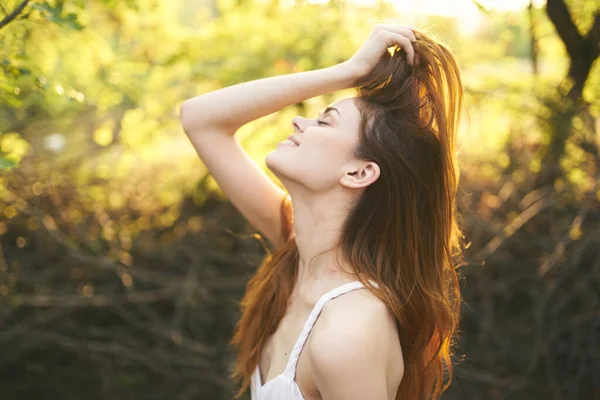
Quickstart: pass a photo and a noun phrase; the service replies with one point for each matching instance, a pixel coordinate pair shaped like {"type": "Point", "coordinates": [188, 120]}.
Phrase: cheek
{"type": "Point", "coordinates": [331, 139]}
{"type": "Point", "coordinates": [328, 152]}
{"type": "Point", "coordinates": [339, 146]}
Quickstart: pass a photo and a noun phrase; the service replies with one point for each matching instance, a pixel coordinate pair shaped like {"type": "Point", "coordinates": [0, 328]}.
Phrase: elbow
{"type": "Point", "coordinates": [196, 116]}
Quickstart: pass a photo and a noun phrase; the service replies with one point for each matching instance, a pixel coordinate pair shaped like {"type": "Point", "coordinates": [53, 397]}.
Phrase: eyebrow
{"type": "Point", "coordinates": [329, 109]}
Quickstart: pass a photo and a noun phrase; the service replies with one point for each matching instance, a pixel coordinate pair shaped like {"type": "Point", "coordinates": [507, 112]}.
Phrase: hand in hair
{"type": "Point", "coordinates": [382, 37]}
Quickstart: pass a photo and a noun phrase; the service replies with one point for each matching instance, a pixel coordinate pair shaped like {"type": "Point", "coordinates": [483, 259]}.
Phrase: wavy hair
{"type": "Point", "coordinates": [410, 116]}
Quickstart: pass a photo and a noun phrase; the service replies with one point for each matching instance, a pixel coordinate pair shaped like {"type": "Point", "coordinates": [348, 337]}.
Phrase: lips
{"type": "Point", "coordinates": [293, 139]}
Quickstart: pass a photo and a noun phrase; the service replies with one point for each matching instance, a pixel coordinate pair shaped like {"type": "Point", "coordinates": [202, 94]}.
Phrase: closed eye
{"type": "Point", "coordinates": [321, 122]}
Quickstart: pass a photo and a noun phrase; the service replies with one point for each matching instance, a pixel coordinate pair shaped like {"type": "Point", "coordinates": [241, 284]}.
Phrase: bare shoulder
{"type": "Point", "coordinates": [352, 311]}
{"type": "Point", "coordinates": [355, 350]}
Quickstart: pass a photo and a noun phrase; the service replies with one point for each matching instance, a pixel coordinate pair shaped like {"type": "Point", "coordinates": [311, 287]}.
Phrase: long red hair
{"type": "Point", "coordinates": [403, 233]}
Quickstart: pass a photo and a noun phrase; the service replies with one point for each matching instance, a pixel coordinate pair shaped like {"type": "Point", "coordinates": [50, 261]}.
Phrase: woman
{"type": "Point", "coordinates": [369, 204]}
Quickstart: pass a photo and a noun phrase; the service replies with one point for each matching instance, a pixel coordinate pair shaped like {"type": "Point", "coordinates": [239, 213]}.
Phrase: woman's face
{"type": "Point", "coordinates": [325, 152]}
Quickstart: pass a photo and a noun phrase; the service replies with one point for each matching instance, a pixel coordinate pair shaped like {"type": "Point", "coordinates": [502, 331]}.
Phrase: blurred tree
{"type": "Point", "coordinates": [582, 51]}
{"type": "Point", "coordinates": [533, 45]}
{"type": "Point", "coordinates": [21, 29]}
{"type": "Point", "coordinates": [13, 14]}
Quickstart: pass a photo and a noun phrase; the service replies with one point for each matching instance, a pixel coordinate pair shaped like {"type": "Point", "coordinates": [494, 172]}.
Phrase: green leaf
{"type": "Point", "coordinates": [55, 14]}
{"type": "Point", "coordinates": [6, 164]}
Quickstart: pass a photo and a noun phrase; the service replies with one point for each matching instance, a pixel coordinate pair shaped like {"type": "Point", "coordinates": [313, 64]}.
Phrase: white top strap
{"type": "Point", "coordinates": [290, 369]}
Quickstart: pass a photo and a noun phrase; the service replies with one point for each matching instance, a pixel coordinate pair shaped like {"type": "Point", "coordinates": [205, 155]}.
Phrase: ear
{"type": "Point", "coordinates": [360, 175]}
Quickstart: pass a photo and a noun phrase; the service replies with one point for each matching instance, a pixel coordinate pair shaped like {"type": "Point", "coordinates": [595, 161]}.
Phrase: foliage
{"type": "Point", "coordinates": [113, 251]}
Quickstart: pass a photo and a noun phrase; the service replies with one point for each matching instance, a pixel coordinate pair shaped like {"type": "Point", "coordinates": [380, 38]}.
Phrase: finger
{"type": "Point", "coordinates": [393, 38]}
{"type": "Point", "coordinates": [416, 48]}
{"type": "Point", "coordinates": [403, 30]}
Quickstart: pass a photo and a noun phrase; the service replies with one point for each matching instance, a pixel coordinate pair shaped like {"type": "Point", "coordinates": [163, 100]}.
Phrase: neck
{"type": "Point", "coordinates": [317, 227]}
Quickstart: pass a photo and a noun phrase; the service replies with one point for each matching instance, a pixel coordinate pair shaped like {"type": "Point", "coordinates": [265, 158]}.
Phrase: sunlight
{"type": "Point", "coordinates": [465, 11]}
{"type": "Point", "coordinates": [443, 7]}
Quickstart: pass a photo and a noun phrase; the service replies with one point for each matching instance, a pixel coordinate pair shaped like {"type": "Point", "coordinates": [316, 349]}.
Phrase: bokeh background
{"type": "Point", "coordinates": [121, 262]}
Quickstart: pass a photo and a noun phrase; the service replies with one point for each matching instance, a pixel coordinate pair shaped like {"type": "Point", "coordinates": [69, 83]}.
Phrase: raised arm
{"type": "Point", "coordinates": [234, 106]}
{"type": "Point", "coordinates": [231, 107]}
{"type": "Point", "coordinates": [211, 120]}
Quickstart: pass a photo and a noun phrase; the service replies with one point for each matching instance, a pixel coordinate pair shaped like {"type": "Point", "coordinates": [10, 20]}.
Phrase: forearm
{"type": "Point", "coordinates": [231, 107]}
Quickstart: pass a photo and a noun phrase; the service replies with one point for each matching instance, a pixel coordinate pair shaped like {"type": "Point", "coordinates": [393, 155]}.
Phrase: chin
{"type": "Point", "coordinates": [271, 161]}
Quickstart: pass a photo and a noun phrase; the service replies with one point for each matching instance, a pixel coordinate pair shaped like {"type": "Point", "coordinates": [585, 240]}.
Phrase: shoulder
{"type": "Point", "coordinates": [350, 347]}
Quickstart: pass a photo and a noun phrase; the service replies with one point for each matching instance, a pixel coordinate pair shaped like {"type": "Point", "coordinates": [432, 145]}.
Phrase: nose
{"type": "Point", "coordinates": [300, 123]}
{"type": "Point", "coordinates": [297, 123]}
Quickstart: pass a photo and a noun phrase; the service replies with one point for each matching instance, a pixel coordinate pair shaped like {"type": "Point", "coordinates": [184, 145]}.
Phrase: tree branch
{"type": "Point", "coordinates": [10, 17]}
{"type": "Point", "coordinates": [560, 16]}
{"type": "Point", "coordinates": [100, 300]}
{"type": "Point", "coordinates": [593, 35]}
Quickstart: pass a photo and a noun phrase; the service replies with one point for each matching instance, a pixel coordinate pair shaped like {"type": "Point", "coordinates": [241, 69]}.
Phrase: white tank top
{"type": "Point", "coordinates": [283, 386]}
